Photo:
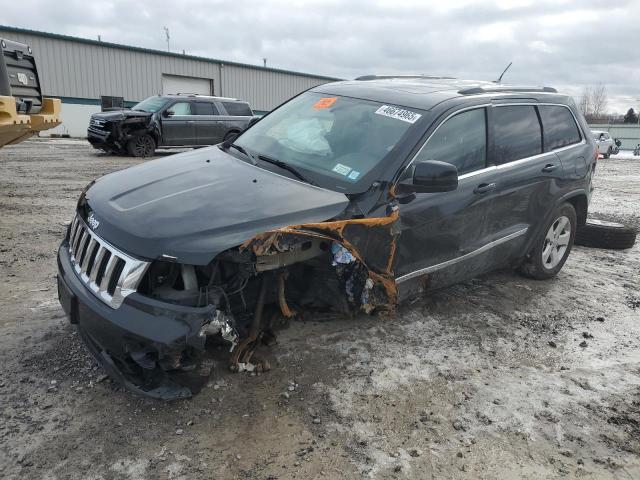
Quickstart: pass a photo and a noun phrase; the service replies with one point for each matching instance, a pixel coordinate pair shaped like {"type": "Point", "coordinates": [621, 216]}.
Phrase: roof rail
{"type": "Point", "coordinates": [383, 77]}
{"type": "Point", "coordinates": [504, 88]}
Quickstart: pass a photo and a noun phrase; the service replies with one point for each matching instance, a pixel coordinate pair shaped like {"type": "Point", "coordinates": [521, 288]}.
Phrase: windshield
{"type": "Point", "coordinates": [151, 104]}
{"type": "Point", "coordinates": [335, 140]}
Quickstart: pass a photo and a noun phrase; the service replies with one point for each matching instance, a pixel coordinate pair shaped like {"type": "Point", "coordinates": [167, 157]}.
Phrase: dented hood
{"type": "Point", "coordinates": [119, 115]}
{"type": "Point", "coordinates": [195, 205]}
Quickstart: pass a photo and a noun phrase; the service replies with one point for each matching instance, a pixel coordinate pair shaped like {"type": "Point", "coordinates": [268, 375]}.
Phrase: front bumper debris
{"type": "Point", "coordinates": [149, 346]}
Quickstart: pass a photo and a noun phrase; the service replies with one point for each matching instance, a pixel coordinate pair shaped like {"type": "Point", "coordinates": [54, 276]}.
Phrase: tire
{"type": "Point", "coordinates": [608, 154]}
{"type": "Point", "coordinates": [142, 145]}
{"type": "Point", "coordinates": [609, 235]}
{"type": "Point", "coordinates": [552, 246]}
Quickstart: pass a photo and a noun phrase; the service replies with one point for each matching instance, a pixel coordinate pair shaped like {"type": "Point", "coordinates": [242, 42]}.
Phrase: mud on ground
{"type": "Point", "coordinates": [499, 377]}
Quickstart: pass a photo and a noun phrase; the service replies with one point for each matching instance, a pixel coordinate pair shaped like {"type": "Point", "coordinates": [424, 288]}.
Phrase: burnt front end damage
{"type": "Point", "coordinates": [111, 131]}
{"type": "Point", "coordinates": [343, 266]}
{"type": "Point", "coordinates": [153, 280]}
{"type": "Point", "coordinates": [150, 331]}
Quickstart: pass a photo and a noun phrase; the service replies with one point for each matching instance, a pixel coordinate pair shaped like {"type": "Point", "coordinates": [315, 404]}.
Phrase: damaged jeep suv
{"type": "Point", "coordinates": [182, 120]}
{"type": "Point", "coordinates": [350, 197]}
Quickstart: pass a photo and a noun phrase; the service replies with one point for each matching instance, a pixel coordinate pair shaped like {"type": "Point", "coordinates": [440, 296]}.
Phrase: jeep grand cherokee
{"type": "Point", "coordinates": [350, 197]}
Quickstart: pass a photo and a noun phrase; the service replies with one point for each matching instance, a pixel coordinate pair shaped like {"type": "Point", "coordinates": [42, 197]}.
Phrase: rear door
{"type": "Point", "coordinates": [528, 178]}
{"type": "Point", "coordinates": [236, 114]}
{"type": "Point", "coordinates": [178, 125]}
{"type": "Point", "coordinates": [210, 128]}
{"type": "Point", "coordinates": [442, 230]}
{"type": "Point", "coordinates": [563, 137]}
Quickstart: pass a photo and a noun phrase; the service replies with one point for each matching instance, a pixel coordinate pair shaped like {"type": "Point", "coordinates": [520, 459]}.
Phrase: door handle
{"type": "Point", "coordinates": [550, 167]}
{"type": "Point", "coordinates": [484, 188]}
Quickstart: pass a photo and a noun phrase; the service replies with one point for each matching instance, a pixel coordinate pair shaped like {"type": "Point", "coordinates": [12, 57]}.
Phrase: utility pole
{"type": "Point", "coordinates": [166, 32]}
{"type": "Point", "coordinates": [264, 60]}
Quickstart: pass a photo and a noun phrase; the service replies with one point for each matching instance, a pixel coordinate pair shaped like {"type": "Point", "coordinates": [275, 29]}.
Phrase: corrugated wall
{"type": "Point", "coordinates": [69, 68]}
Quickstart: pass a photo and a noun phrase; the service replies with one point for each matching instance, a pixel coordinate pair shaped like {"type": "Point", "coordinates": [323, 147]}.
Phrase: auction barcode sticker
{"type": "Point", "coordinates": [398, 113]}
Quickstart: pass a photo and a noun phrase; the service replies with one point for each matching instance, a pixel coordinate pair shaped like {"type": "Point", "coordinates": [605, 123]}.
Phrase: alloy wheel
{"type": "Point", "coordinates": [556, 242]}
{"type": "Point", "coordinates": [143, 146]}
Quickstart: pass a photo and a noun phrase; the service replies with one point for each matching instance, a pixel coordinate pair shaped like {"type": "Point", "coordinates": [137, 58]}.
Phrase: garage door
{"type": "Point", "coordinates": [172, 84]}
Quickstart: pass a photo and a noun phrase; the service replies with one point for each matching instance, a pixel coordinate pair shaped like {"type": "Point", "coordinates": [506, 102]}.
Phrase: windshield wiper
{"type": "Point", "coordinates": [251, 158]}
{"type": "Point", "coordinates": [285, 166]}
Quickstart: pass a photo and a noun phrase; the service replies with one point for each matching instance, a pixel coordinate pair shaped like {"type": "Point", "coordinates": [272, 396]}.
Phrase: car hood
{"type": "Point", "coordinates": [194, 205]}
{"type": "Point", "coordinates": [119, 115]}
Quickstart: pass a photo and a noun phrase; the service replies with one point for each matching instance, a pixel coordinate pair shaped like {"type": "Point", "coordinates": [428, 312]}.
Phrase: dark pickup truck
{"type": "Point", "coordinates": [181, 120]}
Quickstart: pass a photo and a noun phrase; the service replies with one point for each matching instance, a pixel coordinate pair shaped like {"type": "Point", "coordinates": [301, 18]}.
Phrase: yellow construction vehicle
{"type": "Point", "coordinates": [23, 110]}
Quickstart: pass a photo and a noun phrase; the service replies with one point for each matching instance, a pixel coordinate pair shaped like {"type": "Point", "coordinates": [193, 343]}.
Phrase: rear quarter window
{"type": "Point", "coordinates": [517, 133]}
{"type": "Point", "coordinates": [560, 128]}
{"type": "Point", "coordinates": [237, 109]}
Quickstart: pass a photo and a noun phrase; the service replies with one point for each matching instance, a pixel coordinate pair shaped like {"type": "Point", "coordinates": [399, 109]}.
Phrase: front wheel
{"type": "Point", "coordinates": [608, 153]}
{"type": "Point", "coordinates": [552, 247]}
{"type": "Point", "coordinates": [142, 145]}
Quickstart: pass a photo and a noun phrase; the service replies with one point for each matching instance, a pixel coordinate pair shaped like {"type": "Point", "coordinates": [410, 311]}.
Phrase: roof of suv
{"type": "Point", "coordinates": [202, 97]}
{"type": "Point", "coordinates": [424, 92]}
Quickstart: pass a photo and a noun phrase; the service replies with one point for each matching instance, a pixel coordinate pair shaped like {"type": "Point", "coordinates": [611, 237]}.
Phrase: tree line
{"type": "Point", "coordinates": [593, 104]}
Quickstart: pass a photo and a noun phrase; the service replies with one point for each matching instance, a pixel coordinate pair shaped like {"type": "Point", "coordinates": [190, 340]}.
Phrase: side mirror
{"type": "Point", "coordinates": [428, 176]}
{"type": "Point", "coordinates": [167, 113]}
{"type": "Point", "coordinates": [229, 140]}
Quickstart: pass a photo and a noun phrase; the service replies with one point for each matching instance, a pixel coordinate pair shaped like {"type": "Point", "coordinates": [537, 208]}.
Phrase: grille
{"type": "Point", "coordinates": [98, 126]}
{"type": "Point", "coordinates": [109, 273]}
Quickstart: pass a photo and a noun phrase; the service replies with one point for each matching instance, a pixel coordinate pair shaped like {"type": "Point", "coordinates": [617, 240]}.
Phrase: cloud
{"type": "Point", "coordinates": [564, 43]}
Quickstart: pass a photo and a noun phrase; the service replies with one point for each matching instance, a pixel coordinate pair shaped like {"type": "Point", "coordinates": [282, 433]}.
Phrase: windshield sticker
{"type": "Point", "coordinates": [353, 175]}
{"type": "Point", "coordinates": [398, 114]}
{"type": "Point", "coordinates": [325, 102]}
{"type": "Point", "coordinates": [341, 169]}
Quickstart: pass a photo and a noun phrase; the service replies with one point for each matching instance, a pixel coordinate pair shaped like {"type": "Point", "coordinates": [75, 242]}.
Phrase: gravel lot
{"type": "Point", "coordinates": [500, 377]}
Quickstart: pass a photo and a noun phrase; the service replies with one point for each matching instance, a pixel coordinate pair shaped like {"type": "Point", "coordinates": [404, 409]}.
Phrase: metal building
{"type": "Point", "coordinates": [80, 71]}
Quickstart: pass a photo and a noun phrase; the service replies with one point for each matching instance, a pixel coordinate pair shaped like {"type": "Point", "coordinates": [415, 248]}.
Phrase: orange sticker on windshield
{"type": "Point", "coordinates": [325, 102]}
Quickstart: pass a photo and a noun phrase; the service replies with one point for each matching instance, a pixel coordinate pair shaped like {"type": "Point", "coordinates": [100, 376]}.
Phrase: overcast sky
{"type": "Point", "coordinates": [563, 43]}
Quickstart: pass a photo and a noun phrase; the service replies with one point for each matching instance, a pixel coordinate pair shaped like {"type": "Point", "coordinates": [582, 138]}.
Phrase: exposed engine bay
{"type": "Point", "coordinates": [341, 266]}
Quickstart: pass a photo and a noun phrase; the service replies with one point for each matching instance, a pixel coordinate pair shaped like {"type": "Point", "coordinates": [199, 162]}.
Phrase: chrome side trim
{"type": "Point", "coordinates": [448, 263]}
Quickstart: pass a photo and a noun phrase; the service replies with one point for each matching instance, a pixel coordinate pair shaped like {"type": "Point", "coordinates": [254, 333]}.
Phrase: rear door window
{"type": "Point", "coordinates": [205, 108]}
{"type": "Point", "coordinates": [517, 133]}
{"type": "Point", "coordinates": [237, 109]}
{"type": "Point", "coordinates": [560, 128]}
{"type": "Point", "coordinates": [460, 141]}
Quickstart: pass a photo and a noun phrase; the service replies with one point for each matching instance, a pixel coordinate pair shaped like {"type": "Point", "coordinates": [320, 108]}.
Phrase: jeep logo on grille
{"type": "Point", "coordinates": [23, 79]}
{"type": "Point", "coordinates": [93, 221]}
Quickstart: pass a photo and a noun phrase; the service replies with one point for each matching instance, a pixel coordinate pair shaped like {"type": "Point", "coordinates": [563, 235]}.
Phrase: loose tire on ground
{"type": "Point", "coordinates": [141, 145]}
{"type": "Point", "coordinates": [600, 234]}
{"type": "Point", "coordinates": [552, 246]}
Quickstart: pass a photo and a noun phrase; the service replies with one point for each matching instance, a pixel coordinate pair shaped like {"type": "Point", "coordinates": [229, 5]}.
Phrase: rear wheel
{"type": "Point", "coordinates": [552, 247]}
{"type": "Point", "coordinates": [142, 145]}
